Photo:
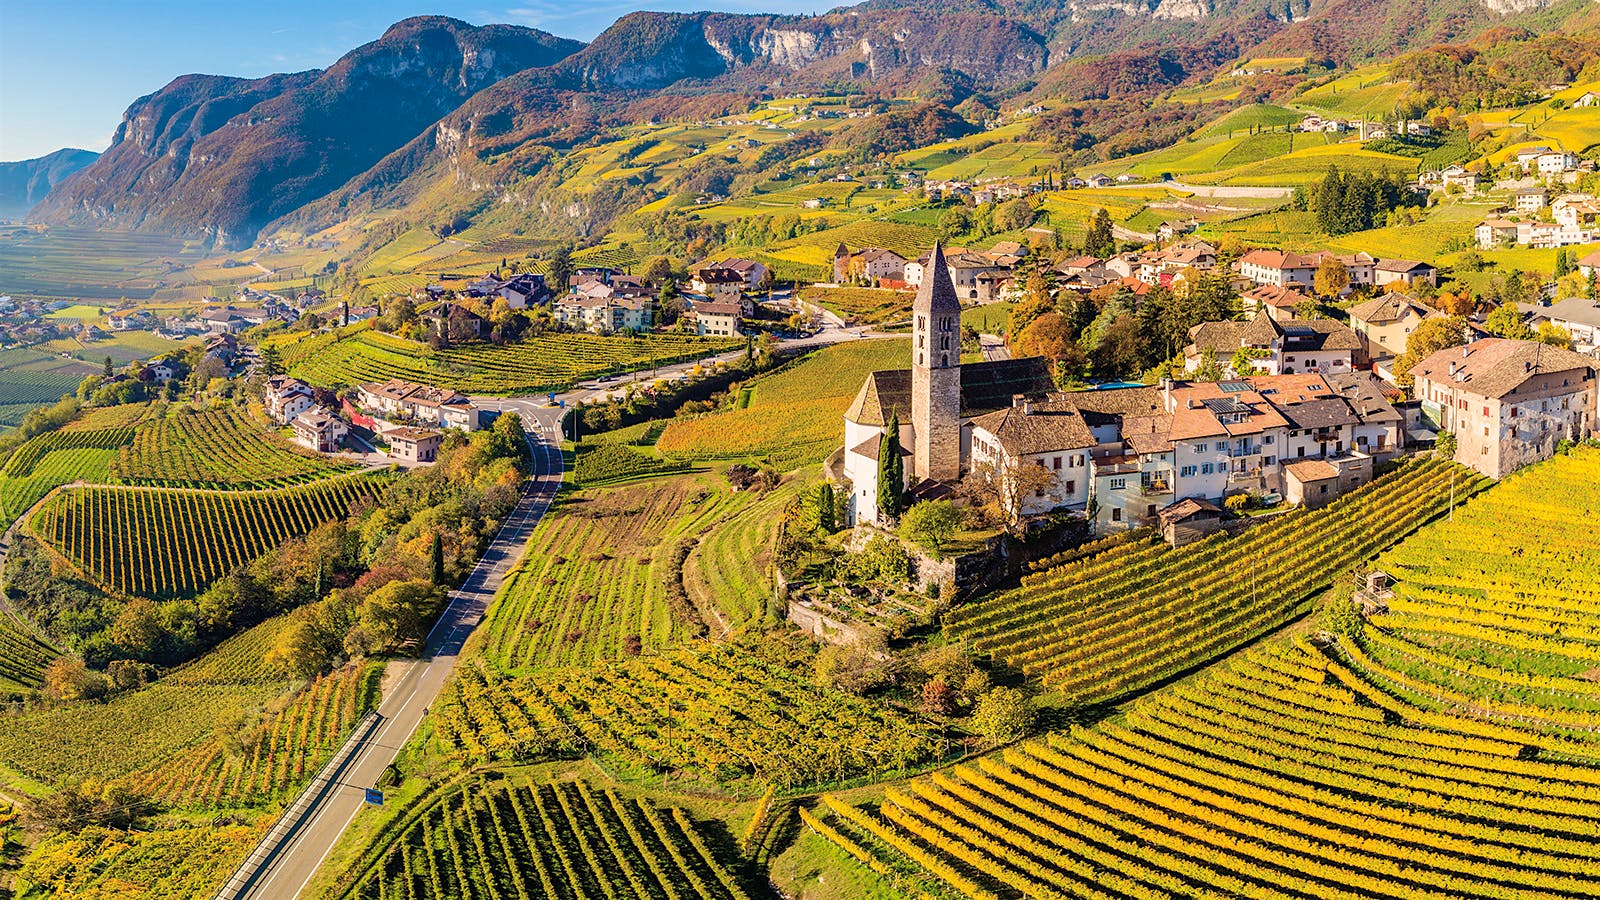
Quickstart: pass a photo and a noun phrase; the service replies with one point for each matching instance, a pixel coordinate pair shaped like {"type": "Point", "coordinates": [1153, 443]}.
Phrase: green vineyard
{"type": "Point", "coordinates": [23, 657]}
{"type": "Point", "coordinates": [164, 542]}
{"type": "Point", "coordinates": [547, 362]}
{"type": "Point", "coordinates": [272, 759]}
{"type": "Point", "coordinates": [600, 572]}
{"type": "Point", "coordinates": [565, 841]}
{"type": "Point", "coordinates": [1114, 622]}
{"type": "Point", "coordinates": [737, 711]}
{"type": "Point", "coordinates": [215, 448]}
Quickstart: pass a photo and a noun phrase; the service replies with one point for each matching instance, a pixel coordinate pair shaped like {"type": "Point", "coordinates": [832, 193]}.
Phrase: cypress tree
{"type": "Point", "coordinates": [436, 559]}
{"type": "Point", "coordinates": [891, 470]}
{"type": "Point", "coordinates": [825, 507]}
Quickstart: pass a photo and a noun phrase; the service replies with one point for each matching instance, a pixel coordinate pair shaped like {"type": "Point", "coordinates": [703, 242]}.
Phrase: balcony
{"type": "Point", "coordinates": [1152, 486]}
{"type": "Point", "coordinates": [1247, 450]}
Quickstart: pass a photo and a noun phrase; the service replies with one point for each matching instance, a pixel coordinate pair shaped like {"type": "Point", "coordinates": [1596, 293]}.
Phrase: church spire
{"type": "Point", "coordinates": [936, 373]}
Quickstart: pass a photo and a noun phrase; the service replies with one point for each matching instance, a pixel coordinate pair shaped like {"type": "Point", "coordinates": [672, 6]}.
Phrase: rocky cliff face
{"type": "Point", "coordinates": [23, 184]}
{"type": "Point", "coordinates": [220, 157]}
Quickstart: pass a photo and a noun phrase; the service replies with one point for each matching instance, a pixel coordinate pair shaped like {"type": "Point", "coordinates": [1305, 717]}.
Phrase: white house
{"type": "Point", "coordinates": [319, 430]}
{"type": "Point", "coordinates": [286, 398]}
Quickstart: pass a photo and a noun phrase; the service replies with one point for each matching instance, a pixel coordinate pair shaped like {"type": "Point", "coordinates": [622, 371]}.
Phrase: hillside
{"type": "Point", "coordinates": [26, 182]}
{"type": "Point", "coordinates": [219, 157]}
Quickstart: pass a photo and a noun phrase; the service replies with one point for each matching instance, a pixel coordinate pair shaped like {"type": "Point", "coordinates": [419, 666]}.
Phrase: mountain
{"type": "Point", "coordinates": [216, 157]}
{"type": "Point", "coordinates": [23, 184]}
{"type": "Point", "coordinates": [448, 120]}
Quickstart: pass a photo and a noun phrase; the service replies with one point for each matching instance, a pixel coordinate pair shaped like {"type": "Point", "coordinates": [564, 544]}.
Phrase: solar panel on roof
{"type": "Point", "coordinates": [1233, 387]}
{"type": "Point", "coordinates": [1224, 405]}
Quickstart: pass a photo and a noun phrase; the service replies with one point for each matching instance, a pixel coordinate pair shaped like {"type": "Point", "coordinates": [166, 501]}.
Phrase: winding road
{"type": "Point", "coordinates": [286, 861]}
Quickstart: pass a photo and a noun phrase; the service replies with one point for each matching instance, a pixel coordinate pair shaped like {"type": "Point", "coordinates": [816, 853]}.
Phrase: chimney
{"type": "Point", "coordinates": [1018, 401]}
{"type": "Point", "coordinates": [1527, 366]}
{"type": "Point", "coordinates": [1454, 366]}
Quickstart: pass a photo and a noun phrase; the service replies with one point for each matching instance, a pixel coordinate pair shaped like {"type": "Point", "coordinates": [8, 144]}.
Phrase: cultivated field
{"type": "Point", "coordinates": [1114, 622]}
{"type": "Point", "coordinates": [792, 416]}
{"type": "Point", "coordinates": [1446, 752]}
{"type": "Point", "coordinates": [167, 542]}
{"type": "Point", "coordinates": [490, 839]}
{"type": "Point", "coordinates": [216, 448]}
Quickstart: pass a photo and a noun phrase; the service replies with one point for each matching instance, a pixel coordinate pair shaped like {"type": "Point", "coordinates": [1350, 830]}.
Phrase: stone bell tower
{"type": "Point", "coordinates": [936, 374]}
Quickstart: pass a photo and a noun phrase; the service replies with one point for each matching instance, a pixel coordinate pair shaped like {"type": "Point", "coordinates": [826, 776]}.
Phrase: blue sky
{"type": "Point", "coordinates": [69, 69]}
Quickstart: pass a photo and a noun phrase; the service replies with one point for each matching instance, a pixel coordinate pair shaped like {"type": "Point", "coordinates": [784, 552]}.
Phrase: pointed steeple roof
{"type": "Point", "coordinates": [937, 294]}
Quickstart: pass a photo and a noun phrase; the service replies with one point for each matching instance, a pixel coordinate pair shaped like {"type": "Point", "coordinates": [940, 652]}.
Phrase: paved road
{"type": "Point", "coordinates": [405, 704]}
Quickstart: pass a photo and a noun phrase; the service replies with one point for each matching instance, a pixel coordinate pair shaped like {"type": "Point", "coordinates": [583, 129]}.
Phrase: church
{"type": "Point", "coordinates": [936, 399]}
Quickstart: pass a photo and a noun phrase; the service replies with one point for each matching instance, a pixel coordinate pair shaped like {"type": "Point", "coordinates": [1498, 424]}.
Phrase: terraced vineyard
{"type": "Point", "coordinates": [215, 448]}
{"type": "Point", "coordinates": [111, 864]}
{"type": "Point", "coordinates": [22, 658]}
{"type": "Point", "coordinates": [1114, 622]}
{"type": "Point", "coordinates": [733, 712]}
{"type": "Point", "coordinates": [53, 459]}
{"type": "Point", "coordinates": [730, 569]}
{"type": "Point", "coordinates": [1271, 777]}
{"type": "Point", "coordinates": [548, 362]}
{"type": "Point", "coordinates": [1493, 613]}
{"type": "Point", "coordinates": [794, 414]}
{"type": "Point", "coordinates": [166, 542]}
{"type": "Point", "coordinates": [272, 759]}
{"type": "Point", "coordinates": [1450, 750]}
{"type": "Point", "coordinates": [601, 575]}
{"type": "Point", "coordinates": [564, 841]}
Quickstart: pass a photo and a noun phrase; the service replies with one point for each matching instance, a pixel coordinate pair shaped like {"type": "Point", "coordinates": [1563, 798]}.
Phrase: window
{"type": "Point", "coordinates": [1323, 488]}
{"type": "Point", "coordinates": [1186, 472]}
{"type": "Point", "coordinates": [1071, 487]}
{"type": "Point", "coordinates": [1269, 460]}
{"type": "Point", "coordinates": [1118, 484]}
{"type": "Point", "coordinates": [1205, 469]}
{"type": "Point", "coordinates": [1116, 514]}
{"type": "Point", "coordinates": [1266, 440]}
{"type": "Point", "coordinates": [1150, 509]}
{"type": "Point", "coordinates": [1056, 464]}
{"type": "Point", "coordinates": [1300, 451]}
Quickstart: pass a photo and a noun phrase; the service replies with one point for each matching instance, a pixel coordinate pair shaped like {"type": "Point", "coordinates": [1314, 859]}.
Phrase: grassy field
{"type": "Point", "coordinates": [792, 417]}
{"type": "Point", "coordinates": [870, 306]}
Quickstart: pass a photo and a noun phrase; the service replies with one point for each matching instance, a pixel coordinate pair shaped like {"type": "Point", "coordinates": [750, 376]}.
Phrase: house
{"type": "Point", "coordinates": [1190, 520]}
{"type": "Point", "coordinates": [157, 370]}
{"type": "Point", "coordinates": [1556, 162]}
{"type": "Point", "coordinates": [1579, 315]}
{"type": "Point", "coordinates": [601, 308]}
{"type": "Point", "coordinates": [1380, 429]}
{"type": "Point", "coordinates": [523, 290]}
{"type": "Point", "coordinates": [455, 322]}
{"type": "Point", "coordinates": [319, 430]}
{"type": "Point", "coordinates": [715, 318]}
{"type": "Point", "coordinates": [1384, 323]}
{"type": "Point", "coordinates": [1279, 302]}
{"type": "Point", "coordinates": [230, 319]}
{"type": "Point", "coordinates": [1588, 99]}
{"type": "Point", "coordinates": [1280, 268]}
{"type": "Point", "coordinates": [870, 264]}
{"type": "Point", "coordinates": [1575, 211]}
{"type": "Point", "coordinates": [286, 398]}
{"type": "Point", "coordinates": [751, 273]}
{"type": "Point", "coordinates": [708, 279]}
{"type": "Point", "coordinates": [1404, 272]}
{"type": "Point", "coordinates": [1310, 482]}
{"type": "Point", "coordinates": [966, 270]}
{"type": "Point", "coordinates": [1274, 347]}
{"type": "Point", "coordinates": [1493, 233]}
{"type": "Point", "coordinates": [414, 445]}
{"type": "Point", "coordinates": [1101, 181]}
{"type": "Point", "coordinates": [435, 406]}
{"type": "Point", "coordinates": [1528, 157]}
{"type": "Point", "coordinates": [224, 348]}
{"type": "Point", "coordinates": [1459, 177]}
{"type": "Point", "coordinates": [1529, 200]}
{"type": "Point", "coordinates": [1589, 265]}
{"type": "Point", "coordinates": [1549, 235]}
{"type": "Point", "coordinates": [1051, 436]}
{"type": "Point", "coordinates": [1507, 402]}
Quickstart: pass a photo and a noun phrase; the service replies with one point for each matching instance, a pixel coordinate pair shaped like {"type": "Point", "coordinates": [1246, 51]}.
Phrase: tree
{"type": "Point", "coordinates": [560, 268]}
{"type": "Point", "coordinates": [1430, 336]}
{"type": "Point", "coordinates": [107, 371]}
{"type": "Point", "coordinates": [657, 269]}
{"type": "Point", "coordinates": [138, 628]}
{"type": "Point", "coordinates": [1024, 311]}
{"type": "Point", "coordinates": [67, 678]}
{"type": "Point", "coordinates": [1101, 241]}
{"type": "Point", "coordinates": [1331, 278]}
{"type": "Point", "coordinates": [436, 559]}
{"type": "Point", "coordinates": [1566, 262]}
{"type": "Point", "coordinates": [937, 698]}
{"type": "Point", "coordinates": [1209, 369]}
{"type": "Point", "coordinates": [271, 360]}
{"type": "Point", "coordinates": [1014, 215]}
{"type": "Point", "coordinates": [1307, 309]}
{"type": "Point", "coordinates": [891, 470]}
{"type": "Point", "coordinates": [931, 525]}
{"type": "Point", "coordinates": [1003, 715]}
{"type": "Point", "coordinates": [1506, 321]}
{"type": "Point", "coordinates": [1554, 335]}
{"type": "Point", "coordinates": [1048, 336]}
{"type": "Point", "coordinates": [824, 502]}
{"type": "Point", "coordinates": [1444, 445]}
{"type": "Point", "coordinates": [859, 667]}
{"type": "Point", "coordinates": [1008, 484]}
{"type": "Point", "coordinates": [394, 612]}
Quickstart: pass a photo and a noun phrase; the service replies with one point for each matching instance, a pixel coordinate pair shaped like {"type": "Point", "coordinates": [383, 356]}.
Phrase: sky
{"type": "Point", "coordinates": [69, 69]}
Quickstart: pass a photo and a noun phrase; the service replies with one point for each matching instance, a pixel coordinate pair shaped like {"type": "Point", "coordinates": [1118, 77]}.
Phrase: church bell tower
{"type": "Point", "coordinates": [936, 374]}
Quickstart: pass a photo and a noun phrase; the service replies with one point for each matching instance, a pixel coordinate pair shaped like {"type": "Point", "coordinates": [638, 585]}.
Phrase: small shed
{"type": "Point", "coordinates": [1310, 482]}
{"type": "Point", "coordinates": [1189, 520]}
